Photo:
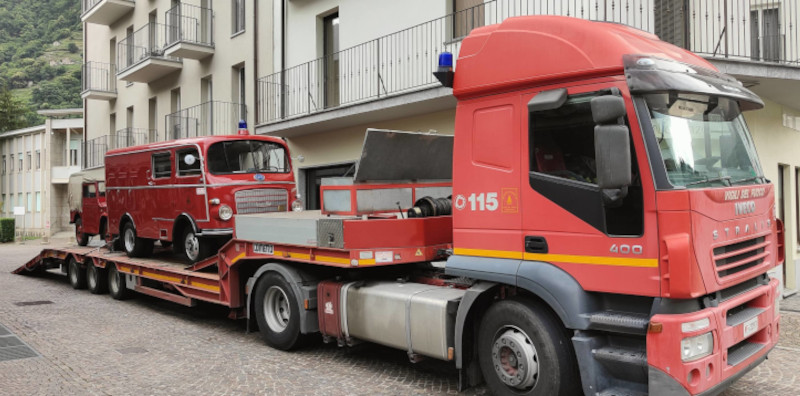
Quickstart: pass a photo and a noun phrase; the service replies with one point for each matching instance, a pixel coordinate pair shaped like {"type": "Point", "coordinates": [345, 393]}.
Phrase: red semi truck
{"type": "Point", "coordinates": [611, 228]}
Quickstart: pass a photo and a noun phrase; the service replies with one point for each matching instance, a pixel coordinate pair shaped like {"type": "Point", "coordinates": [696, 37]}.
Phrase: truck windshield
{"type": "Point", "coordinates": [703, 140]}
{"type": "Point", "coordinates": [247, 156]}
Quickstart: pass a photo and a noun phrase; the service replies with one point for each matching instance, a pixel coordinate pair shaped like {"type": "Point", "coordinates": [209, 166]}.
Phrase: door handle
{"type": "Point", "coordinates": [535, 244]}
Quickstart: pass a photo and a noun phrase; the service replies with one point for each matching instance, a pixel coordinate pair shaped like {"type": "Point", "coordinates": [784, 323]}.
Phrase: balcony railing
{"type": "Point", "coordinates": [127, 137]}
{"type": "Point", "coordinates": [95, 151]}
{"type": "Point", "coordinates": [191, 24]}
{"type": "Point", "coordinates": [206, 119]}
{"type": "Point", "coordinates": [97, 77]}
{"type": "Point", "coordinates": [147, 42]}
{"type": "Point", "coordinates": [760, 30]}
{"type": "Point", "coordinates": [105, 12]}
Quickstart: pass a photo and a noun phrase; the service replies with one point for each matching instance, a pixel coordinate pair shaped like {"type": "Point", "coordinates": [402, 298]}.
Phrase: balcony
{"type": "Point", "coordinates": [105, 12]}
{"type": "Point", "coordinates": [60, 174]}
{"type": "Point", "coordinates": [141, 56]}
{"type": "Point", "coordinates": [127, 137]}
{"type": "Point", "coordinates": [341, 89]}
{"type": "Point", "coordinates": [190, 32]}
{"type": "Point", "coordinates": [94, 152]}
{"type": "Point", "coordinates": [99, 81]}
{"type": "Point", "coordinates": [206, 119]}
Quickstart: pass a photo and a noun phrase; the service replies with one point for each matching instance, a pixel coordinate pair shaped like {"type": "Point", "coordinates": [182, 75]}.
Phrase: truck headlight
{"type": "Point", "coordinates": [225, 212]}
{"type": "Point", "coordinates": [693, 348]}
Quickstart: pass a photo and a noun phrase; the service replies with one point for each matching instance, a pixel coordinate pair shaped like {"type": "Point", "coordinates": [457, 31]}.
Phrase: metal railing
{"type": "Point", "coordinates": [127, 137]}
{"type": "Point", "coordinates": [147, 42]}
{"type": "Point", "coordinates": [94, 152]}
{"type": "Point", "coordinates": [761, 30]}
{"type": "Point", "coordinates": [191, 24]}
{"type": "Point", "coordinates": [97, 76]}
{"type": "Point", "coordinates": [205, 119]}
{"type": "Point", "coordinates": [87, 5]}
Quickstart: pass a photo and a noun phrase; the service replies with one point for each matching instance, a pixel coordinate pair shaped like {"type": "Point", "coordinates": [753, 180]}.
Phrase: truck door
{"type": "Point", "coordinates": [158, 199]}
{"type": "Point", "coordinates": [607, 240]}
{"type": "Point", "coordinates": [90, 208]}
{"type": "Point", "coordinates": [190, 193]}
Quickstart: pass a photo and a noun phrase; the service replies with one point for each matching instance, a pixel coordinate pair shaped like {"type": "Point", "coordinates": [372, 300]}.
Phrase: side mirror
{"type": "Point", "coordinates": [612, 156]}
{"type": "Point", "coordinates": [607, 109]}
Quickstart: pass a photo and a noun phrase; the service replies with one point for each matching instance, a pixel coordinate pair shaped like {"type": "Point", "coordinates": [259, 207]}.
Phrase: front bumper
{"type": "Point", "coordinates": [736, 350]}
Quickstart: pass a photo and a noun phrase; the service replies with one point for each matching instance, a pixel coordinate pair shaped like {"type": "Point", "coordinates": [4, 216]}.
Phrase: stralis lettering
{"type": "Point", "coordinates": [745, 193]}
{"type": "Point", "coordinates": [744, 208]}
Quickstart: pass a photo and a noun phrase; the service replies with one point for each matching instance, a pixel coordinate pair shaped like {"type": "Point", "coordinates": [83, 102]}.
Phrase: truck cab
{"type": "Point", "coordinates": [88, 210]}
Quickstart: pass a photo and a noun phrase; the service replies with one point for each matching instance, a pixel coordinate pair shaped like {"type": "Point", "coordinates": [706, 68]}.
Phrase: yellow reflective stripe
{"type": "Point", "coordinates": [204, 286]}
{"type": "Point", "coordinates": [160, 277]}
{"type": "Point", "coordinates": [336, 260]}
{"type": "Point", "coordinates": [561, 258]}
{"type": "Point", "coordinates": [237, 258]}
{"type": "Point", "coordinates": [366, 262]}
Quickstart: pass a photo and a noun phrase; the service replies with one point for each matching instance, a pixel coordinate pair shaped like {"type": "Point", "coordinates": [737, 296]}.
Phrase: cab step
{"type": "Point", "coordinates": [619, 322]}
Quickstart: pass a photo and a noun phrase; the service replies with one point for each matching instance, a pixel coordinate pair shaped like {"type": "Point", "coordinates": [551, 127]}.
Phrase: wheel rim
{"type": "Point", "coordinates": [78, 230]}
{"type": "Point", "coordinates": [130, 239]}
{"type": "Point", "coordinates": [114, 283]}
{"type": "Point", "coordinates": [276, 309]}
{"type": "Point", "coordinates": [191, 245]}
{"type": "Point", "coordinates": [73, 273]}
{"type": "Point", "coordinates": [514, 358]}
{"type": "Point", "coordinates": [91, 279]}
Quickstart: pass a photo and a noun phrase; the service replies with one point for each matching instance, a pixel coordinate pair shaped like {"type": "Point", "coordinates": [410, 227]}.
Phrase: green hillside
{"type": "Point", "coordinates": [41, 50]}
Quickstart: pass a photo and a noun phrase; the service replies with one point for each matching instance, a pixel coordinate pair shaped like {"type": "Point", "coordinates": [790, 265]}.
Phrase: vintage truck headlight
{"type": "Point", "coordinates": [693, 348]}
{"type": "Point", "coordinates": [225, 212]}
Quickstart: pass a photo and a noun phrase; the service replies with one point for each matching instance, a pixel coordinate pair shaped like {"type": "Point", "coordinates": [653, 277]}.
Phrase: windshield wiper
{"type": "Point", "coordinates": [747, 179]}
{"type": "Point", "coordinates": [707, 180]}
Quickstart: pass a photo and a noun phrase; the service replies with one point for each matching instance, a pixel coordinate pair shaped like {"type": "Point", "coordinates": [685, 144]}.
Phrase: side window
{"type": "Point", "coordinates": [85, 191]}
{"type": "Point", "coordinates": [91, 191]}
{"type": "Point", "coordinates": [101, 189]}
{"type": "Point", "coordinates": [162, 166]}
{"type": "Point", "coordinates": [188, 162]}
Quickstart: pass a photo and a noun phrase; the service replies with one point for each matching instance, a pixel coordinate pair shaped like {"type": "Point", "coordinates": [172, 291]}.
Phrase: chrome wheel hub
{"type": "Point", "coordinates": [276, 309]}
{"type": "Point", "coordinates": [514, 358]}
{"type": "Point", "coordinates": [130, 239]}
{"type": "Point", "coordinates": [191, 244]}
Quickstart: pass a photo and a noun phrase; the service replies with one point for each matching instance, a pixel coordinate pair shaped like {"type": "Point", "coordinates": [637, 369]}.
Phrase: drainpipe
{"type": "Point", "coordinates": [283, 58]}
{"type": "Point", "coordinates": [255, 64]}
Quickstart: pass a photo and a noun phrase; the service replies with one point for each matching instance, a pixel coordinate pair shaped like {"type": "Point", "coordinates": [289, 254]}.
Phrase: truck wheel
{"type": "Point", "coordinates": [82, 238]}
{"type": "Point", "coordinates": [195, 248]}
{"type": "Point", "coordinates": [277, 313]}
{"type": "Point", "coordinates": [77, 276]}
{"type": "Point", "coordinates": [116, 284]}
{"type": "Point", "coordinates": [96, 280]}
{"type": "Point", "coordinates": [524, 350]}
{"type": "Point", "coordinates": [133, 245]}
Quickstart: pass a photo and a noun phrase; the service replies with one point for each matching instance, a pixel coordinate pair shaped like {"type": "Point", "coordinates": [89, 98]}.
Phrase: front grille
{"type": "Point", "coordinates": [739, 256]}
{"type": "Point", "coordinates": [261, 200]}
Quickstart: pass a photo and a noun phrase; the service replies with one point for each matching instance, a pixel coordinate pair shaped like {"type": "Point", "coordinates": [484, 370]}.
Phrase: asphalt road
{"type": "Point", "coordinates": [93, 345]}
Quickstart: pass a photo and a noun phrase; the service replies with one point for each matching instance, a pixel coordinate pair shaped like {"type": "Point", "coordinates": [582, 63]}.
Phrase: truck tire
{"type": "Point", "coordinates": [76, 274]}
{"type": "Point", "coordinates": [133, 245]}
{"type": "Point", "coordinates": [524, 350]}
{"type": "Point", "coordinates": [80, 236]}
{"type": "Point", "coordinates": [277, 312]}
{"type": "Point", "coordinates": [116, 284]}
{"type": "Point", "coordinates": [96, 279]}
{"type": "Point", "coordinates": [193, 247]}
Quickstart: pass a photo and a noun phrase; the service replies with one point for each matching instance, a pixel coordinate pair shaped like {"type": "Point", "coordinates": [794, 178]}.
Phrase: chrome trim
{"type": "Point", "coordinates": [162, 186]}
{"type": "Point", "coordinates": [215, 231]}
{"type": "Point", "coordinates": [162, 219]}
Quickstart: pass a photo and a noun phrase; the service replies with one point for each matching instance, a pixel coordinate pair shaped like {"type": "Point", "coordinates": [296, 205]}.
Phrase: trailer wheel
{"type": "Point", "coordinates": [133, 245]}
{"type": "Point", "coordinates": [80, 236]}
{"type": "Point", "coordinates": [524, 350]}
{"type": "Point", "coordinates": [277, 312]}
{"type": "Point", "coordinates": [96, 280]}
{"type": "Point", "coordinates": [194, 248]}
{"type": "Point", "coordinates": [116, 284]}
{"type": "Point", "coordinates": [77, 276]}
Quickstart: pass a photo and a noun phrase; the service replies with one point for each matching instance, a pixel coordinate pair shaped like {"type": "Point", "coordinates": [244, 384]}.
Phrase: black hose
{"type": "Point", "coordinates": [430, 207]}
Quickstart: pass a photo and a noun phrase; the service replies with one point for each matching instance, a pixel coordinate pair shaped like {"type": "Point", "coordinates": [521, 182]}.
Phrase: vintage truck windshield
{"type": "Point", "coordinates": [247, 156]}
{"type": "Point", "coordinates": [703, 140]}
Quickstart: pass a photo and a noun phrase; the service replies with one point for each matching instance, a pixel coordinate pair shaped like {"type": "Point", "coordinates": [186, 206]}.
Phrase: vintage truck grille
{"type": "Point", "coordinates": [261, 200]}
{"type": "Point", "coordinates": [740, 256]}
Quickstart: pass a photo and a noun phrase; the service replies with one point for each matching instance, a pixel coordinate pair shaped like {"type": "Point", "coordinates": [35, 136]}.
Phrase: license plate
{"type": "Point", "coordinates": [263, 248]}
{"type": "Point", "coordinates": [750, 327]}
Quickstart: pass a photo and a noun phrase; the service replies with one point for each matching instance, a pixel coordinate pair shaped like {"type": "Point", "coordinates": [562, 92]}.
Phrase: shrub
{"type": "Point", "coordinates": [6, 229]}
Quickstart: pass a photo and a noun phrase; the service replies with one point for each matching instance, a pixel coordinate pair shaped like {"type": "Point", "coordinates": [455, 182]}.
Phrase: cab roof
{"type": "Point", "coordinates": [535, 50]}
{"type": "Point", "coordinates": [200, 141]}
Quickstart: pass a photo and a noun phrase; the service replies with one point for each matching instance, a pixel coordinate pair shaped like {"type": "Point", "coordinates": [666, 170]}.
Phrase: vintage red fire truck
{"type": "Point", "coordinates": [611, 229]}
{"type": "Point", "coordinates": [87, 206]}
{"type": "Point", "coordinates": [186, 191]}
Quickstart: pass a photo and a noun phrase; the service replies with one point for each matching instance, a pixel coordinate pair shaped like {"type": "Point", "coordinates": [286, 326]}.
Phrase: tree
{"type": "Point", "coordinates": [72, 48]}
{"type": "Point", "coordinates": [12, 112]}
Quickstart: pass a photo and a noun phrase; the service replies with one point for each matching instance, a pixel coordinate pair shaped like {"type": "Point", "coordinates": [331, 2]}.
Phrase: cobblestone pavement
{"type": "Point", "coordinates": [94, 345]}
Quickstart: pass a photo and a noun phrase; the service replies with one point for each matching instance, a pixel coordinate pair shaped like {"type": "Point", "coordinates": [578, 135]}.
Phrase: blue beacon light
{"type": "Point", "coordinates": [445, 61]}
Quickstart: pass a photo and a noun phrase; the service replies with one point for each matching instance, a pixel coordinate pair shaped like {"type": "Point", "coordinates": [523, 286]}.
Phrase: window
{"type": "Point", "coordinates": [188, 162]}
{"type": "Point", "coordinates": [162, 166]}
{"type": "Point", "coordinates": [29, 158]}
{"type": "Point", "coordinates": [30, 202]}
{"type": "Point", "coordinates": [331, 51]}
{"type": "Point", "coordinates": [20, 159]}
{"type": "Point", "coordinates": [4, 164]}
{"type": "Point", "coordinates": [3, 204]}
{"type": "Point", "coordinates": [467, 15]}
{"type": "Point", "coordinates": [247, 156]}
{"type": "Point", "coordinates": [19, 200]}
{"type": "Point", "coordinates": [89, 191]}
{"type": "Point", "coordinates": [74, 152]}
{"type": "Point", "coordinates": [101, 188]}
{"type": "Point", "coordinates": [766, 41]}
{"type": "Point", "coordinates": [11, 164]}
{"type": "Point", "coordinates": [38, 201]}
{"type": "Point", "coordinates": [38, 159]}
{"type": "Point", "coordinates": [563, 169]}
{"type": "Point", "coordinates": [237, 13]}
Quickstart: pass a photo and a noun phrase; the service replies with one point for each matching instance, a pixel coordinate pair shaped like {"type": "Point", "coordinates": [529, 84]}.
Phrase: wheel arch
{"type": "Point", "coordinates": [125, 219]}
{"type": "Point", "coordinates": [304, 286]}
{"type": "Point", "coordinates": [180, 223]}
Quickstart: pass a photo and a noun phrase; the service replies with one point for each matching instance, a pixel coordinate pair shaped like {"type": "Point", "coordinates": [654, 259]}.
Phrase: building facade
{"type": "Point", "coordinates": [342, 66]}
{"type": "Point", "coordinates": [36, 164]}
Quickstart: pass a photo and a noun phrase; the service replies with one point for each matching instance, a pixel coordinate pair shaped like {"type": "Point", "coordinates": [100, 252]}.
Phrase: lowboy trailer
{"type": "Point", "coordinates": [608, 229]}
